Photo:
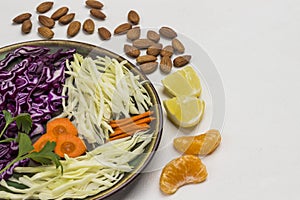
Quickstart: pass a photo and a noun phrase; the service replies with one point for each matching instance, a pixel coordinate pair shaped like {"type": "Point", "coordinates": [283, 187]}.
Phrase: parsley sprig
{"type": "Point", "coordinates": [24, 123]}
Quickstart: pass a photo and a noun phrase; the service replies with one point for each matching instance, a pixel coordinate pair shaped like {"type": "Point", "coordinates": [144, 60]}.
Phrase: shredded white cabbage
{"type": "Point", "coordinates": [98, 90]}
{"type": "Point", "coordinates": [83, 176]}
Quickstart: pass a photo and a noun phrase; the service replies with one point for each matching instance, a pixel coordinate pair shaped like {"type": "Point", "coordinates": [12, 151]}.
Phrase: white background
{"type": "Point", "coordinates": [255, 46]}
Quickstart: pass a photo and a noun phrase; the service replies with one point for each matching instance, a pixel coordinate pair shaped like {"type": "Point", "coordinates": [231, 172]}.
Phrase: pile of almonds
{"type": "Point", "coordinates": [63, 17]}
{"type": "Point", "coordinates": [148, 62]}
{"type": "Point", "coordinates": [155, 53]}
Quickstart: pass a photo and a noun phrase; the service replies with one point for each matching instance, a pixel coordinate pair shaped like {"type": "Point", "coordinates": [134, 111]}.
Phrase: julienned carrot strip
{"type": "Point", "coordinates": [119, 136]}
{"type": "Point", "coordinates": [139, 121]}
{"type": "Point", "coordinates": [132, 128]}
{"type": "Point", "coordinates": [131, 119]}
{"type": "Point", "coordinates": [122, 135]}
{"type": "Point", "coordinates": [115, 125]}
{"type": "Point", "coordinates": [129, 128]}
{"type": "Point", "coordinates": [146, 120]}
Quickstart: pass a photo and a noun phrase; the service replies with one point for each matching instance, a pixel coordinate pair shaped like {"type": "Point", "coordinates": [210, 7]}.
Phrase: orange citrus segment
{"type": "Point", "coordinates": [181, 171]}
{"type": "Point", "coordinates": [202, 144]}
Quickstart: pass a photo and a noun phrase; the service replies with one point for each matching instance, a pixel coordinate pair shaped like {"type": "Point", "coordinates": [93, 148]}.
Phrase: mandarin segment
{"type": "Point", "coordinates": [202, 144]}
{"type": "Point", "coordinates": [186, 169]}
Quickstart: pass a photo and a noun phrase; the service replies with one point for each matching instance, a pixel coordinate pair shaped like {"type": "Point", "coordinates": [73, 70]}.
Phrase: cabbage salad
{"type": "Point", "coordinates": [90, 92]}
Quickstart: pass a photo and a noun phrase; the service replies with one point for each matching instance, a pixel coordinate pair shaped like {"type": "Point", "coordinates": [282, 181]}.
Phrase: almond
{"type": "Point", "coordinates": [73, 28]}
{"type": "Point", "coordinates": [89, 26]}
{"type": "Point", "coordinates": [134, 33]}
{"type": "Point", "coordinates": [167, 51]}
{"type": "Point", "coordinates": [148, 67]}
{"type": "Point", "coordinates": [94, 4]}
{"type": "Point", "coordinates": [46, 21]}
{"type": "Point", "coordinates": [131, 51]}
{"type": "Point", "coordinates": [122, 28]}
{"type": "Point", "coordinates": [26, 26]}
{"type": "Point", "coordinates": [142, 43]}
{"type": "Point", "coordinates": [97, 14]}
{"type": "Point", "coordinates": [154, 50]}
{"type": "Point", "coordinates": [181, 61]}
{"type": "Point", "coordinates": [104, 33]}
{"type": "Point", "coordinates": [165, 64]}
{"type": "Point", "coordinates": [152, 35]}
{"type": "Point", "coordinates": [66, 18]}
{"type": "Point", "coordinates": [59, 13]}
{"type": "Point", "coordinates": [44, 7]}
{"type": "Point", "coordinates": [133, 17]}
{"type": "Point", "coordinates": [178, 46]}
{"type": "Point", "coordinates": [46, 32]}
{"type": "Point", "coordinates": [145, 59]}
{"type": "Point", "coordinates": [21, 18]}
{"type": "Point", "coordinates": [167, 32]}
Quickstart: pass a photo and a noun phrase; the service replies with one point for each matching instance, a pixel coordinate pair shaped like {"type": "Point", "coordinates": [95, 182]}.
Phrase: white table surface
{"type": "Point", "coordinates": [255, 46]}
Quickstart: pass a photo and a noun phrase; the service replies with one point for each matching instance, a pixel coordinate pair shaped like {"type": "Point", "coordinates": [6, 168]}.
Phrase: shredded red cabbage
{"type": "Point", "coordinates": [31, 81]}
{"type": "Point", "coordinates": [8, 151]}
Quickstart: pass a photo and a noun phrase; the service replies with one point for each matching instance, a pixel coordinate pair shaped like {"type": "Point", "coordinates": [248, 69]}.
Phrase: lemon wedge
{"type": "Point", "coordinates": [184, 111]}
{"type": "Point", "coordinates": [183, 82]}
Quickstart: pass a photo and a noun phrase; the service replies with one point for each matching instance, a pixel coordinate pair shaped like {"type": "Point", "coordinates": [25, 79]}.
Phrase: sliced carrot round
{"type": "Point", "coordinates": [41, 142]}
{"type": "Point", "coordinates": [71, 145]}
{"type": "Point", "coordinates": [61, 126]}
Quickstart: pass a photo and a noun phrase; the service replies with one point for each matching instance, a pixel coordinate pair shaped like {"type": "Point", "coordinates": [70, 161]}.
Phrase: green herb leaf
{"type": "Point", "coordinates": [25, 144]}
{"type": "Point", "coordinates": [46, 155]}
{"type": "Point", "coordinates": [8, 117]}
{"type": "Point", "coordinates": [24, 122]}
